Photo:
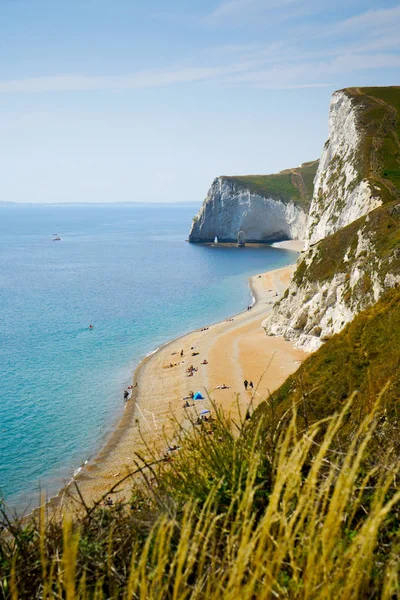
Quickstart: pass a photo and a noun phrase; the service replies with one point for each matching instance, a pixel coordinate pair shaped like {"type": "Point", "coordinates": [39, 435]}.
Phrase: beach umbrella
{"type": "Point", "coordinates": [204, 412]}
{"type": "Point", "coordinates": [198, 396]}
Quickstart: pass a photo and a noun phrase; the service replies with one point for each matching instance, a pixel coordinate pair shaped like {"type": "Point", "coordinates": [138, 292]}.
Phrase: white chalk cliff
{"type": "Point", "coordinates": [346, 266]}
{"type": "Point", "coordinates": [314, 309]}
{"type": "Point", "coordinates": [230, 207]}
{"type": "Point", "coordinates": [351, 225]}
{"type": "Point", "coordinates": [341, 194]}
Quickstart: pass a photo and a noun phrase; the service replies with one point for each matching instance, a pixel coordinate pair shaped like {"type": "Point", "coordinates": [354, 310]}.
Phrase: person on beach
{"type": "Point", "coordinates": [181, 352]}
{"type": "Point", "coordinates": [126, 395]}
{"type": "Point", "coordinates": [251, 384]}
{"type": "Point", "coordinates": [245, 383]}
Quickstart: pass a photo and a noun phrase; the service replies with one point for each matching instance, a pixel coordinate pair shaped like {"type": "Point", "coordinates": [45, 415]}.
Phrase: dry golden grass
{"type": "Point", "coordinates": [315, 525]}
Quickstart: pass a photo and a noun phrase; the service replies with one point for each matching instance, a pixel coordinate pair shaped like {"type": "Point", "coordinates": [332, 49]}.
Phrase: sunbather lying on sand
{"type": "Point", "coordinates": [187, 405]}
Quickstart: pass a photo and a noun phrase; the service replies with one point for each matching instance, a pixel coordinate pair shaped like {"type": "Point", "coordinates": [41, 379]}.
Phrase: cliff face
{"type": "Point", "coordinates": [229, 209]}
{"type": "Point", "coordinates": [337, 278]}
{"type": "Point", "coordinates": [354, 225]}
{"type": "Point", "coordinates": [265, 208]}
{"type": "Point", "coordinates": [341, 193]}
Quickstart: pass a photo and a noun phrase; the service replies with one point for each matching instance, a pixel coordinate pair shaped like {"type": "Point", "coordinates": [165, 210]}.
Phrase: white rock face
{"type": "Point", "coordinates": [229, 208]}
{"type": "Point", "coordinates": [341, 195]}
{"type": "Point", "coordinates": [311, 312]}
{"type": "Point", "coordinates": [316, 306]}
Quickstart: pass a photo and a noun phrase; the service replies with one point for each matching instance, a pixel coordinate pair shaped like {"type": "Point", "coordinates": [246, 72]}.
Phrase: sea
{"type": "Point", "coordinates": [127, 270]}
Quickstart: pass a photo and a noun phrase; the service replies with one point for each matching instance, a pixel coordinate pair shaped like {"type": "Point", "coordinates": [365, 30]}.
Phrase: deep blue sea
{"type": "Point", "coordinates": [127, 270]}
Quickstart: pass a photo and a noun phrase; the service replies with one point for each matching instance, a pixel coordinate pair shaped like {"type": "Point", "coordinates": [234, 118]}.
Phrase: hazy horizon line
{"type": "Point", "coordinates": [129, 202]}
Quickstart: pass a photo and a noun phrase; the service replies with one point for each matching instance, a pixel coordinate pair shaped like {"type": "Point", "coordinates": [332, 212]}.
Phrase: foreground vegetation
{"type": "Point", "coordinates": [300, 499]}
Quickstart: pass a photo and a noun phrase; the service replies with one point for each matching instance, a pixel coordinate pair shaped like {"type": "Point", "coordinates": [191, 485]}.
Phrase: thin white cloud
{"type": "Point", "coordinates": [372, 19]}
{"type": "Point", "coordinates": [312, 74]}
{"type": "Point", "coordinates": [366, 26]}
{"type": "Point", "coordinates": [373, 44]}
{"type": "Point", "coordinates": [297, 72]}
{"type": "Point", "coordinates": [72, 83]}
{"type": "Point", "coordinates": [232, 8]}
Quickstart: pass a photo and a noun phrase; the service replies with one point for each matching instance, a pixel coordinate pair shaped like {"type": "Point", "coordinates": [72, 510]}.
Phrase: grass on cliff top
{"type": "Point", "coordinates": [282, 186]}
{"type": "Point", "coordinates": [380, 121]}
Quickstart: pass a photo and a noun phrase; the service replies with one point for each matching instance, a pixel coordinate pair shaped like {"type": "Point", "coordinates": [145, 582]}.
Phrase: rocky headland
{"type": "Point", "coordinates": [266, 208]}
{"type": "Point", "coordinates": [346, 207]}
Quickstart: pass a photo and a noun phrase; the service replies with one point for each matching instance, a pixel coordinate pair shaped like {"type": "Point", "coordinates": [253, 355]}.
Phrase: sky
{"type": "Point", "coordinates": [138, 101]}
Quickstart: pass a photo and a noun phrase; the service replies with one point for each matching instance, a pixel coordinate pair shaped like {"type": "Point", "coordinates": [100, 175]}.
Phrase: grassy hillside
{"type": "Point", "coordinates": [364, 357]}
{"type": "Point", "coordinates": [380, 122]}
{"type": "Point", "coordinates": [294, 185]}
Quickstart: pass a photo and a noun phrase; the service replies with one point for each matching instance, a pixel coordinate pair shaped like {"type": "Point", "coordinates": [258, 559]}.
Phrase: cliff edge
{"type": "Point", "coordinates": [265, 207]}
{"type": "Point", "coordinates": [353, 232]}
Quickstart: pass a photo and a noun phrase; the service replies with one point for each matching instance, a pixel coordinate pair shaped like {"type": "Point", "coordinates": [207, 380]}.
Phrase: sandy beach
{"type": "Point", "coordinates": [235, 349]}
{"type": "Point", "coordinates": [297, 245]}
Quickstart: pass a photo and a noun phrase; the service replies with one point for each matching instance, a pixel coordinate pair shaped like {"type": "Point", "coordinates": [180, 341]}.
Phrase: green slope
{"type": "Point", "coordinates": [363, 358]}
{"type": "Point", "coordinates": [335, 253]}
{"type": "Point", "coordinates": [294, 185]}
{"type": "Point", "coordinates": [379, 110]}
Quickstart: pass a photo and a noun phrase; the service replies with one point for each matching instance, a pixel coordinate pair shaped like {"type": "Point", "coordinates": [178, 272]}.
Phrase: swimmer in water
{"type": "Point", "coordinates": [90, 326]}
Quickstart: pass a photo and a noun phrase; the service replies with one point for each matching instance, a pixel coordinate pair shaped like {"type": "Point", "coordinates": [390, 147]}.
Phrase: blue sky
{"type": "Point", "coordinates": [141, 101]}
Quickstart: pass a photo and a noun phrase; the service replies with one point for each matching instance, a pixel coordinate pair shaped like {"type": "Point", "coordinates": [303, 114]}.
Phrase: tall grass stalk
{"type": "Point", "coordinates": [308, 526]}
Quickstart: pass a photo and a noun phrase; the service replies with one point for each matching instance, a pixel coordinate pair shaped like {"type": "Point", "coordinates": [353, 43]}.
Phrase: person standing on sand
{"type": "Point", "coordinates": [251, 384]}
{"type": "Point", "coordinates": [245, 383]}
{"type": "Point", "coordinates": [126, 395]}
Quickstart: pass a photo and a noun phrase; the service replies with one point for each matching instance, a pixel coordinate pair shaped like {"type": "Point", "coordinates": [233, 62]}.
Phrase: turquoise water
{"type": "Point", "coordinates": [127, 270]}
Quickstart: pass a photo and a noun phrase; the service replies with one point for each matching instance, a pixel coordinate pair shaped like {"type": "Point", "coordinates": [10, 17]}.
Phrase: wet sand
{"type": "Point", "coordinates": [235, 349]}
{"type": "Point", "coordinates": [297, 245]}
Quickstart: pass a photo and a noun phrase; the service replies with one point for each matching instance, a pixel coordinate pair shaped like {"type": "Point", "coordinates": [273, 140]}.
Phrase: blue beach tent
{"type": "Point", "coordinates": [198, 396]}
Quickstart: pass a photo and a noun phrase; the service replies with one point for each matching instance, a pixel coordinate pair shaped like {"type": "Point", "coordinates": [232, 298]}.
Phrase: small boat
{"type": "Point", "coordinates": [56, 237]}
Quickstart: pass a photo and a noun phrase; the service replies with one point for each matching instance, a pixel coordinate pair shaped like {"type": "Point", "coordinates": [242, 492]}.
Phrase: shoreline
{"type": "Point", "coordinates": [145, 422]}
{"type": "Point", "coordinates": [296, 245]}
